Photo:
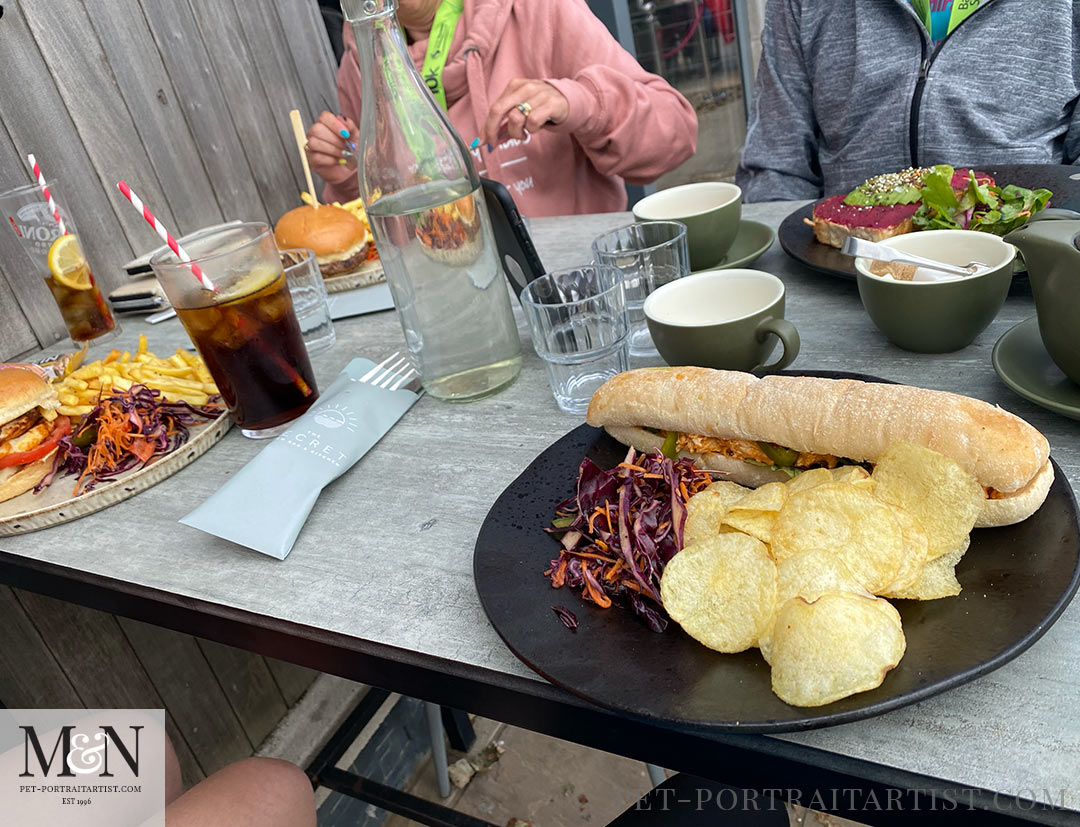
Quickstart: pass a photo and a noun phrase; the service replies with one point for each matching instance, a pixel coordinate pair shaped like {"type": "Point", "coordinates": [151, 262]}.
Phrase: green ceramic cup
{"type": "Point", "coordinates": [711, 211]}
{"type": "Point", "coordinates": [939, 316]}
{"type": "Point", "coordinates": [726, 319]}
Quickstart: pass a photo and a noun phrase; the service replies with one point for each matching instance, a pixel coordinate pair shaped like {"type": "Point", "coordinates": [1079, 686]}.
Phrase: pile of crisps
{"type": "Point", "coordinates": [801, 569]}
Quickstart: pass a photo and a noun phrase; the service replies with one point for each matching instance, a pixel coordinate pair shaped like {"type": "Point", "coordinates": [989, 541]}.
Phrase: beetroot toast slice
{"type": "Point", "coordinates": [834, 221]}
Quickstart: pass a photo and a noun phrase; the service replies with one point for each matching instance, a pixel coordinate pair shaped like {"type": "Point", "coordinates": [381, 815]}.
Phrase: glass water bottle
{"type": "Point", "coordinates": [429, 219]}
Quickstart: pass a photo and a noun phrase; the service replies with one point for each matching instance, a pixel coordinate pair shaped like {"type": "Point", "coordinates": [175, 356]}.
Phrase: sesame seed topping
{"type": "Point", "coordinates": [895, 181]}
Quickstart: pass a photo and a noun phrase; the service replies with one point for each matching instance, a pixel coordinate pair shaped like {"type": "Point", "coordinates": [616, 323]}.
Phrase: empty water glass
{"type": "Point", "coordinates": [577, 318]}
{"type": "Point", "coordinates": [648, 254]}
{"type": "Point", "coordinates": [310, 302]}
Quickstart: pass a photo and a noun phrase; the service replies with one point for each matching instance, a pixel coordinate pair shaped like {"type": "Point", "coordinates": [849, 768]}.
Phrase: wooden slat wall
{"type": "Point", "coordinates": [187, 100]}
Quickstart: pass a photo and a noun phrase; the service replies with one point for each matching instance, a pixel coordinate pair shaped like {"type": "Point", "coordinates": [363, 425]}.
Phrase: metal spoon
{"type": "Point", "coordinates": [868, 249]}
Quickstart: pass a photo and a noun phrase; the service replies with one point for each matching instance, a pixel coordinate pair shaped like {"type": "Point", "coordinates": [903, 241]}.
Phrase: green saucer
{"type": "Point", "coordinates": [751, 241]}
{"type": "Point", "coordinates": [1024, 365]}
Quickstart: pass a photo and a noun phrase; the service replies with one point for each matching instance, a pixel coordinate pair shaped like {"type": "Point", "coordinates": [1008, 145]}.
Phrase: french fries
{"type": "Point", "coordinates": [181, 377]}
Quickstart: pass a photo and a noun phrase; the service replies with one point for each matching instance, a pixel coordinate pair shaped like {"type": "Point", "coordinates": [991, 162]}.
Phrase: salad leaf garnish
{"type": "Point", "coordinates": [981, 206]}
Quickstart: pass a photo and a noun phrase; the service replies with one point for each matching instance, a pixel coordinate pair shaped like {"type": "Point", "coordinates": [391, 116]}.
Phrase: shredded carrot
{"type": "Point", "coordinates": [596, 512]}
{"type": "Point", "coordinates": [631, 467]}
{"type": "Point", "coordinates": [607, 511]}
{"type": "Point", "coordinates": [591, 556]}
{"type": "Point", "coordinates": [682, 488]}
{"type": "Point", "coordinates": [559, 577]}
{"type": "Point", "coordinates": [597, 597]}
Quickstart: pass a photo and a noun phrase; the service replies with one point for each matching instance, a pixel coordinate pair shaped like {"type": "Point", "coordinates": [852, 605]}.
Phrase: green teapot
{"type": "Point", "coordinates": [1050, 244]}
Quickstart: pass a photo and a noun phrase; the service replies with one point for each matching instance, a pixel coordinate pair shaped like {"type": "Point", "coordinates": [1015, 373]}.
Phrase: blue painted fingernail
{"type": "Point", "coordinates": [351, 145]}
{"type": "Point", "coordinates": [491, 148]}
{"type": "Point", "coordinates": [475, 143]}
{"type": "Point", "coordinates": [344, 133]}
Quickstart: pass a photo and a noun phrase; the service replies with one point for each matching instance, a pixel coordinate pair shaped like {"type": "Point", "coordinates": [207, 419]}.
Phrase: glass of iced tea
{"type": "Point", "coordinates": [245, 330]}
{"type": "Point", "coordinates": [58, 257]}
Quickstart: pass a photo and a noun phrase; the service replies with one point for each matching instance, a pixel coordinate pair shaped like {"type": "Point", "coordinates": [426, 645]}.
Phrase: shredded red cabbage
{"type": "Point", "coordinates": [568, 618]}
{"type": "Point", "coordinates": [158, 427]}
{"type": "Point", "coordinates": [621, 528]}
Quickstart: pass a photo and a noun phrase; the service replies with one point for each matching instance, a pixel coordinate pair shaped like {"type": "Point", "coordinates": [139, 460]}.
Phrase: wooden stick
{"type": "Point", "coordinates": [301, 142]}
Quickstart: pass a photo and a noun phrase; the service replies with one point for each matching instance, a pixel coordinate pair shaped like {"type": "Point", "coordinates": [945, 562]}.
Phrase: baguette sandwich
{"type": "Point", "coordinates": [765, 430]}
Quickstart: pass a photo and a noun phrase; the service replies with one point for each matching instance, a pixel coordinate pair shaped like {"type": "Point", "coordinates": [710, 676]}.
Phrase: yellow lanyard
{"type": "Point", "coordinates": [438, 48]}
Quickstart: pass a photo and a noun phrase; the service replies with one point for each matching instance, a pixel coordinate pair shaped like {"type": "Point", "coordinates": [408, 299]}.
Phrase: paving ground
{"type": "Point", "coordinates": [546, 782]}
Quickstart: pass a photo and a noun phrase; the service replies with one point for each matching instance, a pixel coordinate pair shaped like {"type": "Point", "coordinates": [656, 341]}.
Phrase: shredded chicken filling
{"type": "Point", "coordinates": [743, 449]}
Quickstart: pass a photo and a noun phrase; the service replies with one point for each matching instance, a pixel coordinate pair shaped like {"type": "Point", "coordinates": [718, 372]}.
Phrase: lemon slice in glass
{"type": "Point", "coordinates": [67, 264]}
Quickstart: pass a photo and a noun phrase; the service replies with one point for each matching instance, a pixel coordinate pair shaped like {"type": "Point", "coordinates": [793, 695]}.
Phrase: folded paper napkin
{"type": "Point", "coordinates": [360, 301]}
{"type": "Point", "coordinates": [265, 504]}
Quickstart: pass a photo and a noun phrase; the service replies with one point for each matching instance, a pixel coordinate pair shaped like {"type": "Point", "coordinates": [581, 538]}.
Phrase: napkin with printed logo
{"type": "Point", "coordinates": [265, 504]}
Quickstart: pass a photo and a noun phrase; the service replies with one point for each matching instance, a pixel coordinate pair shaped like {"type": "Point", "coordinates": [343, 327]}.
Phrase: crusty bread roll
{"type": "Point", "coordinates": [841, 417]}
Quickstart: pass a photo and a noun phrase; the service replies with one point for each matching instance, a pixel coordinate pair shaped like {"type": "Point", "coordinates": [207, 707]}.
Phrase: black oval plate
{"type": "Point", "coordinates": [797, 237]}
{"type": "Point", "coordinates": [1016, 582]}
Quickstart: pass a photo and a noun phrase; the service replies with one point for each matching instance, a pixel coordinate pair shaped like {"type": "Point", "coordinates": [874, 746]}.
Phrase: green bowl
{"type": "Point", "coordinates": [939, 316]}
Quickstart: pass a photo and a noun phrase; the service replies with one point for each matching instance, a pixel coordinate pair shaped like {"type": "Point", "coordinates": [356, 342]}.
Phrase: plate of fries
{"type": "Point", "coordinates": [371, 271]}
{"type": "Point", "coordinates": [81, 387]}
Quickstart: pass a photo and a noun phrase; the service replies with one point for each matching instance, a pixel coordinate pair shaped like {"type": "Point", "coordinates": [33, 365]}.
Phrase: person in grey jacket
{"type": "Point", "coordinates": [847, 90]}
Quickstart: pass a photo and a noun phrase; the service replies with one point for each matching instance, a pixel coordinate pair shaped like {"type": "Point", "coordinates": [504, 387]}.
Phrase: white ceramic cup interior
{"type": "Point", "coordinates": [713, 297]}
{"type": "Point", "coordinates": [949, 247]}
{"type": "Point", "coordinates": [686, 201]}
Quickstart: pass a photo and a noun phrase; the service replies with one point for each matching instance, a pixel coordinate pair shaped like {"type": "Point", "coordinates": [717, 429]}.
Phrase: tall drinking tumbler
{"type": "Point", "coordinates": [579, 327]}
{"type": "Point", "coordinates": [59, 259]}
{"type": "Point", "coordinates": [310, 302]}
{"type": "Point", "coordinates": [649, 254]}
{"type": "Point", "coordinates": [246, 331]}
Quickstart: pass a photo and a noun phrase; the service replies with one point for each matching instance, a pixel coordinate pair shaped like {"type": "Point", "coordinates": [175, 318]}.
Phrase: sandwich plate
{"type": "Point", "coordinates": [56, 504]}
{"type": "Point", "coordinates": [797, 237]}
{"type": "Point", "coordinates": [1016, 581]}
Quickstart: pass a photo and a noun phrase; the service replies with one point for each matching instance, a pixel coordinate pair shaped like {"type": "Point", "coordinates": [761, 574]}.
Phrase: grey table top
{"type": "Point", "coordinates": [386, 555]}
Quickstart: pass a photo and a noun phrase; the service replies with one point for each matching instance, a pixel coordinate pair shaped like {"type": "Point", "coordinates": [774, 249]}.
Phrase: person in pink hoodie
{"type": "Point", "coordinates": [564, 114]}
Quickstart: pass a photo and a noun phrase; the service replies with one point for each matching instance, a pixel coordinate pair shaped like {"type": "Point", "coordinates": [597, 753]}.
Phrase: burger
{"type": "Point", "coordinates": [339, 239]}
{"type": "Point", "coordinates": [30, 430]}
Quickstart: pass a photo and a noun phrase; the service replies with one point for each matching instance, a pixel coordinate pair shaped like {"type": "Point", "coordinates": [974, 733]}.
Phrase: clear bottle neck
{"type": "Point", "coordinates": [360, 11]}
{"type": "Point", "coordinates": [405, 138]}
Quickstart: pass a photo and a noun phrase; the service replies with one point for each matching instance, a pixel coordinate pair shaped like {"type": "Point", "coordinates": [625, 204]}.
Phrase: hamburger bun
{"type": "Point", "coordinates": [337, 237]}
{"type": "Point", "coordinates": [22, 389]}
{"type": "Point", "coordinates": [21, 478]}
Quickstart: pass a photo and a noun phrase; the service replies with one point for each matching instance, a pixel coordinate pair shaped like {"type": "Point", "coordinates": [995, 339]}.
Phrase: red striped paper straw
{"type": "Point", "coordinates": [45, 191]}
{"type": "Point", "coordinates": [164, 234]}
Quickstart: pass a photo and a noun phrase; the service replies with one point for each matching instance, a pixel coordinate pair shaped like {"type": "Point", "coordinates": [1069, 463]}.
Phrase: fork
{"type": "Point", "coordinates": [868, 249]}
{"type": "Point", "coordinates": [391, 373]}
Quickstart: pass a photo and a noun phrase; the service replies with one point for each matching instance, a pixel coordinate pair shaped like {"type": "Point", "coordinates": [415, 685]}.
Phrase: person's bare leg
{"type": "Point", "coordinates": [255, 792]}
{"type": "Point", "coordinates": [174, 784]}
